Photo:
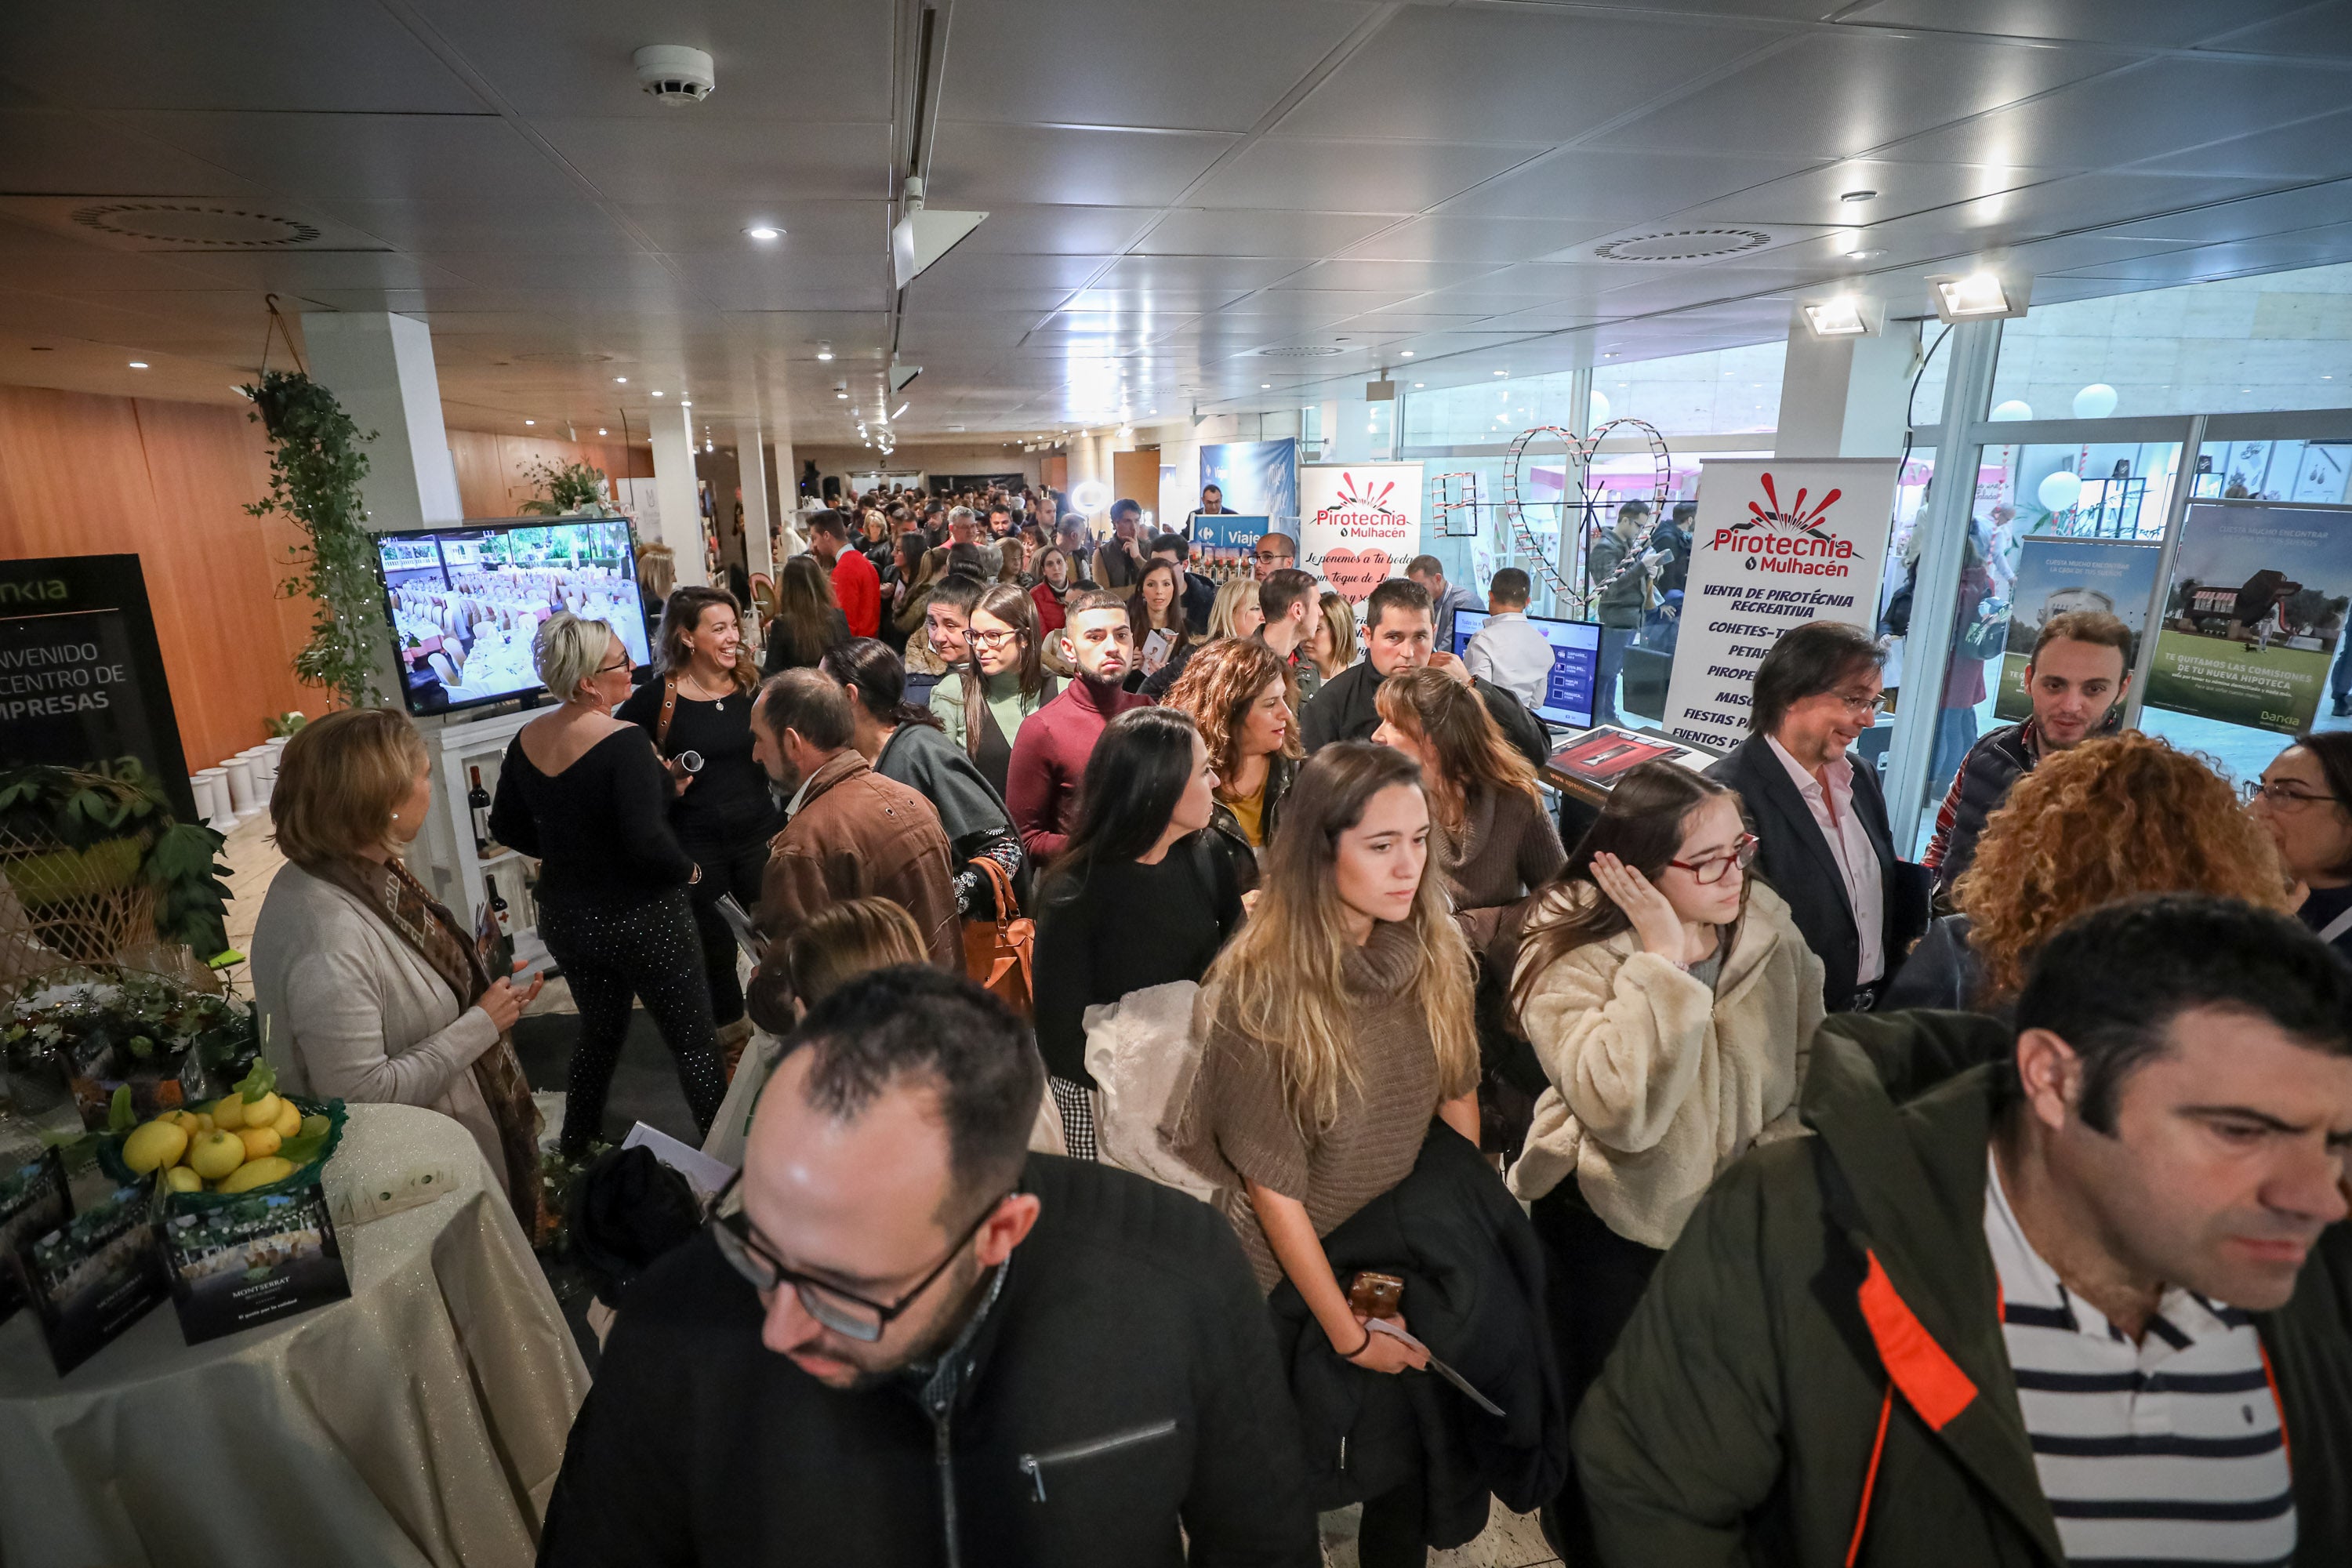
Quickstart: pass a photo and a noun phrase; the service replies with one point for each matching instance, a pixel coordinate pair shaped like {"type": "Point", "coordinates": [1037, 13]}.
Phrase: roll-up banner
{"type": "Point", "coordinates": [1259, 477]}
{"type": "Point", "coordinates": [1359, 523]}
{"type": "Point", "coordinates": [2056, 575]}
{"type": "Point", "coordinates": [1775, 543]}
{"type": "Point", "coordinates": [2253, 612]}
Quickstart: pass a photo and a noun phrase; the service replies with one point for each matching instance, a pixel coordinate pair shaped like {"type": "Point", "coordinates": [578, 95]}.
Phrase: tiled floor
{"type": "Point", "coordinates": [644, 1089]}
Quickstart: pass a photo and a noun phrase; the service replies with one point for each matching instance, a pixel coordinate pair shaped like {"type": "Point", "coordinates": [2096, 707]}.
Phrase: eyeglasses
{"type": "Point", "coordinates": [1708, 872]}
{"type": "Point", "coordinates": [2277, 796]}
{"type": "Point", "coordinates": [846, 1313]}
{"type": "Point", "coordinates": [1270, 557]}
{"type": "Point", "coordinates": [609, 668]}
{"type": "Point", "coordinates": [1872, 706]}
{"type": "Point", "coordinates": [990, 639]}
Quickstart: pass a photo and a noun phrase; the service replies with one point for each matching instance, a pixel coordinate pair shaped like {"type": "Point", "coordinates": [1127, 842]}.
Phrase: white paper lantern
{"type": "Point", "coordinates": [2058, 490]}
{"type": "Point", "coordinates": [1599, 412]}
{"type": "Point", "coordinates": [2095, 401]}
{"type": "Point", "coordinates": [2015, 409]}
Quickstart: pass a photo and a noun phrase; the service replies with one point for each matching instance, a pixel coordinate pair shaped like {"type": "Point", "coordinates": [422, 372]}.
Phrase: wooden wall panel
{"type": "Point", "coordinates": [86, 475]}
{"type": "Point", "coordinates": [1135, 476]}
{"type": "Point", "coordinates": [492, 469]}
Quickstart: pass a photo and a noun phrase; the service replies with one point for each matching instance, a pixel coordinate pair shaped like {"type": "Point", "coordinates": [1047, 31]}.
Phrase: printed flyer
{"type": "Point", "coordinates": [253, 1261]}
{"type": "Point", "coordinates": [1775, 545]}
{"type": "Point", "coordinates": [2253, 614]}
{"type": "Point", "coordinates": [2056, 575]}
{"type": "Point", "coordinates": [1359, 524]}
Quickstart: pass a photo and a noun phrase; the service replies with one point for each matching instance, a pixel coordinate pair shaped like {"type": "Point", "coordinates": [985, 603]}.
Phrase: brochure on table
{"type": "Point", "coordinates": [2056, 575]}
{"type": "Point", "coordinates": [1775, 545]}
{"type": "Point", "coordinates": [2253, 614]}
{"type": "Point", "coordinates": [1359, 524]}
{"type": "Point", "coordinates": [1601, 756]}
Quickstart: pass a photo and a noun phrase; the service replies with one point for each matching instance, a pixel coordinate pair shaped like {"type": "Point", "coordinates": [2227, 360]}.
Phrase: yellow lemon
{"type": "Point", "coordinates": [203, 1123]}
{"type": "Point", "coordinates": [259, 1141]}
{"type": "Point", "coordinates": [256, 1173]}
{"type": "Point", "coordinates": [229, 1113]}
{"type": "Point", "coordinates": [180, 1179]}
{"type": "Point", "coordinates": [215, 1155]}
{"type": "Point", "coordinates": [262, 1112]}
{"type": "Point", "coordinates": [186, 1119]}
{"type": "Point", "coordinates": [159, 1142]}
{"type": "Point", "coordinates": [290, 1118]}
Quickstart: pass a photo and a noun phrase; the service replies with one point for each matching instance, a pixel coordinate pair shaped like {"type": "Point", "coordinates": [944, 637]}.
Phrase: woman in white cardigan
{"type": "Point", "coordinates": [1671, 1000]}
{"type": "Point", "coordinates": [370, 990]}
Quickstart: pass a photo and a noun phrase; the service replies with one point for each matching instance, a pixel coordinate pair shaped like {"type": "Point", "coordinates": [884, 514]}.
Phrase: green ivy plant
{"type": "Point", "coordinates": [116, 803]}
{"type": "Point", "coordinates": [315, 468]}
{"type": "Point", "coordinates": [567, 488]}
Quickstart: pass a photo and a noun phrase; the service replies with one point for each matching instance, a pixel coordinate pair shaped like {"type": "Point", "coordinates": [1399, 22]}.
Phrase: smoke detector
{"type": "Point", "coordinates": [675, 74]}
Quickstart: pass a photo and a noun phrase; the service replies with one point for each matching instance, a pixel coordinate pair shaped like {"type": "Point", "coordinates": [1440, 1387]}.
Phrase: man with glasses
{"type": "Point", "coordinates": [2077, 678]}
{"type": "Point", "coordinates": [902, 1338]}
{"type": "Point", "coordinates": [1826, 846]}
{"type": "Point", "coordinates": [1273, 552]}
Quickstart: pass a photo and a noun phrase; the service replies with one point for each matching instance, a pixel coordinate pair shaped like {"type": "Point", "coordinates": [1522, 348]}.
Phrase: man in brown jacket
{"type": "Point", "coordinates": [848, 833]}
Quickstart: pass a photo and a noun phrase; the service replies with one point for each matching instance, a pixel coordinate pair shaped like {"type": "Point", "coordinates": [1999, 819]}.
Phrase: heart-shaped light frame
{"type": "Point", "coordinates": [1580, 450]}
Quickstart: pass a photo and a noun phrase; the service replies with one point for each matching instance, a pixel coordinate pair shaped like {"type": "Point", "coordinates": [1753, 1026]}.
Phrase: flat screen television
{"type": "Point", "coordinates": [1575, 661]}
{"type": "Point", "coordinates": [465, 602]}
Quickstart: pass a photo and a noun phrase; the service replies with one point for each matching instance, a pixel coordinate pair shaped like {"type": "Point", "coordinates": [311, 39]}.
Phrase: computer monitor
{"type": "Point", "coordinates": [1575, 659]}
{"type": "Point", "coordinates": [465, 602]}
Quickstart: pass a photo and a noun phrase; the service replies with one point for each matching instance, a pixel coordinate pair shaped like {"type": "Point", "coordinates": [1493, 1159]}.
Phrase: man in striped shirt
{"type": "Point", "coordinates": [2070, 1292]}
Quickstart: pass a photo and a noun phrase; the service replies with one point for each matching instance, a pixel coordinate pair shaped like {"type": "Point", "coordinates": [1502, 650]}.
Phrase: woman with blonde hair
{"type": "Point", "coordinates": [1493, 837]}
{"type": "Point", "coordinates": [2112, 817]}
{"type": "Point", "coordinates": [368, 989]}
{"type": "Point", "coordinates": [698, 704]}
{"type": "Point", "coordinates": [1332, 644]}
{"type": "Point", "coordinates": [585, 793]}
{"type": "Point", "coordinates": [1236, 693]}
{"type": "Point", "coordinates": [1234, 612]}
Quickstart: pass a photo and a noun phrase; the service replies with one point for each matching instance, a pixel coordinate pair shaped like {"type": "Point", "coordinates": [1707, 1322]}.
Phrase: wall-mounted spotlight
{"type": "Point", "coordinates": [1979, 295]}
{"type": "Point", "coordinates": [1845, 316]}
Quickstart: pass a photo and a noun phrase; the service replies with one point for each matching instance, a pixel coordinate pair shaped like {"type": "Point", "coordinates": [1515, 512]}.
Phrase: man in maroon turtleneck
{"type": "Point", "coordinates": [1049, 755]}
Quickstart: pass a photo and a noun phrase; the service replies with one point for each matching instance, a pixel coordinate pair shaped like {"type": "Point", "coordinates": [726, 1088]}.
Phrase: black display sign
{"type": "Point", "coordinates": [81, 674]}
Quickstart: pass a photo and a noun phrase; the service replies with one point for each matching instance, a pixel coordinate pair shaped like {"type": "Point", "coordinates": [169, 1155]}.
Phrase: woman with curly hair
{"type": "Point", "coordinates": [2115, 816]}
{"type": "Point", "coordinates": [1236, 694]}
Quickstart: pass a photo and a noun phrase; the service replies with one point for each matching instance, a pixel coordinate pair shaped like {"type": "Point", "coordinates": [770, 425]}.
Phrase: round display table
{"type": "Point", "coordinates": [420, 1422]}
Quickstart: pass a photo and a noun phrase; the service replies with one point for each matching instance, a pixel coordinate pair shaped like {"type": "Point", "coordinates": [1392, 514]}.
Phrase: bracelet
{"type": "Point", "coordinates": [1361, 1348]}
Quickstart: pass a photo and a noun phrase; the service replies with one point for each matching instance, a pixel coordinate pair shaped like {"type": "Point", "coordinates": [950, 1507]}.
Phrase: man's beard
{"type": "Point", "coordinates": [963, 1287]}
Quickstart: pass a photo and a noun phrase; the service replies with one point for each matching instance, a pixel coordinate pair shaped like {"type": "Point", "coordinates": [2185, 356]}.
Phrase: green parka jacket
{"type": "Point", "coordinates": [1817, 1374]}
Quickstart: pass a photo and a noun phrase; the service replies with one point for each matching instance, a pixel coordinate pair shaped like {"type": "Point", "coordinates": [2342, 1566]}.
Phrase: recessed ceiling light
{"type": "Point", "coordinates": [1418, 386]}
{"type": "Point", "coordinates": [530, 421]}
{"type": "Point", "coordinates": [1609, 353]}
{"type": "Point", "coordinates": [764, 231]}
{"type": "Point", "coordinates": [1864, 254]}
{"type": "Point", "coordinates": [621, 380]}
{"type": "Point", "coordinates": [1502, 373]}
{"type": "Point", "coordinates": [824, 351]}
{"type": "Point", "coordinates": [1408, 353]}
{"type": "Point", "coordinates": [138, 364]}
{"type": "Point", "coordinates": [1265, 387]}
{"type": "Point", "coordinates": [601, 431]}
{"type": "Point", "coordinates": [657, 394]}
{"type": "Point", "coordinates": [1856, 195]}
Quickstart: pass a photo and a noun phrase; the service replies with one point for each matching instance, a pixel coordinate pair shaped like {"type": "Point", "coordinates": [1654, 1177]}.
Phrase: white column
{"type": "Point", "coordinates": [1844, 397]}
{"type": "Point", "coordinates": [672, 430]}
{"type": "Point", "coordinates": [380, 368]}
{"type": "Point", "coordinates": [752, 473]}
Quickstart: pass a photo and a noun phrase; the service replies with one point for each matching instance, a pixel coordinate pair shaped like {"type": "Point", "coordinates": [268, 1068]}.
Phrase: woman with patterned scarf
{"type": "Point", "coordinates": [368, 989]}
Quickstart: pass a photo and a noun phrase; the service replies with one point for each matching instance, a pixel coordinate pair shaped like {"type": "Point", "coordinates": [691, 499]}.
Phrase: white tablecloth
{"type": "Point", "coordinates": [420, 1422]}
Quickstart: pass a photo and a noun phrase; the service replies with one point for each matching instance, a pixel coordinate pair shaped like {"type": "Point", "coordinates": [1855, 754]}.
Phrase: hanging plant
{"type": "Point", "coordinates": [315, 468]}
{"type": "Point", "coordinates": [72, 837]}
{"type": "Point", "coordinates": [568, 488]}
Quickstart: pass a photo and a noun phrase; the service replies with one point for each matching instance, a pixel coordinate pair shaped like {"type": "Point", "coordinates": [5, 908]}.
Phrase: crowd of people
{"type": "Point", "coordinates": [1200, 1087]}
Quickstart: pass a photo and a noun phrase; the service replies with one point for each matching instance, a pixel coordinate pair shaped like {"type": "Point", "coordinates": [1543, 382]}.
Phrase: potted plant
{"type": "Point", "coordinates": [98, 864]}
{"type": "Point", "coordinates": [566, 489]}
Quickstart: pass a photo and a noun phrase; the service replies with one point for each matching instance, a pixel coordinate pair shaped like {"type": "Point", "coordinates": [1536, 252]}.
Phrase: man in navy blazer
{"type": "Point", "coordinates": [1819, 815]}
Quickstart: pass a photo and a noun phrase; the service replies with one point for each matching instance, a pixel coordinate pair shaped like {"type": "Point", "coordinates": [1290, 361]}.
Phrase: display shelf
{"type": "Point", "coordinates": [464, 744]}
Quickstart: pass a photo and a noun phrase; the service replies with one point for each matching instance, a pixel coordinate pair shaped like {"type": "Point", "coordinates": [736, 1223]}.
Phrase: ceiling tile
{"type": "Point", "coordinates": [2169, 24]}
{"type": "Point", "coordinates": [306, 271]}
{"type": "Point", "coordinates": [1353, 176]}
{"type": "Point", "coordinates": [574, 224]}
{"type": "Point", "coordinates": [735, 281]}
{"type": "Point", "coordinates": [1049, 230]}
{"type": "Point", "coordinates": [49, 152]}
{"type": "Point", "coordinates": [810, 228]}
{"type": "Point", "coordinates": [1106, 63]}
{"type": "Point", "coordinates": [1432, 74]}
{"type": "Point", "coordinates": [2251, 217]}
{"type": "Point", "coordinates": [363, 157]}
{"type": "Point", "coordinates": [980, 166]}
{"type": "Point", "coordinates": [1617, 187]}
{"type": "Point", "coordinates": [1198, 231]}
{"type": "Point", "coordinates": [2314, 149]}
{"type": "Point", "coordinates": [1495, 241]}
{"type": "Point", "coordinates": [678, 158]}
{"type": "Point", "coordinates": [2158, 107]}
{"type": "Point", "coordinates": [1839, 95]}
{"type": "Point", "coordinates": [1229, 275]}
{"type": "Point", "coordinates": [1815, 196]}
{"type": "Point", "coordinates": [1358, 272]}
{"type": "Point", "coordinates": [2323, 29]}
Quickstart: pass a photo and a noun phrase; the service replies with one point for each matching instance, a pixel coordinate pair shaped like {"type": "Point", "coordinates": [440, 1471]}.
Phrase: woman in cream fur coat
{"type": "Point", "coordinates": [1671, 1000]}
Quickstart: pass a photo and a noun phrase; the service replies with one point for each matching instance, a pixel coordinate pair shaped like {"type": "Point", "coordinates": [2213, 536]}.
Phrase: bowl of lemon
{"type": "Point", "coordinates": [251, 1139]}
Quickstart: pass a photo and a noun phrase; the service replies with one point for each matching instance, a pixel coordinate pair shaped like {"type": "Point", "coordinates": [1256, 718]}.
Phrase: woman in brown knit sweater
{"type": "Point", "coordinates": [1488, 828]}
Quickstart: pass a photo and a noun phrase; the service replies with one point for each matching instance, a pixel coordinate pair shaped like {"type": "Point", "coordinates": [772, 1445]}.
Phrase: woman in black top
{"type": "Point", "coordinates": [808, 617]}
{"type": "Point", "coordinates": [583, 793]}
{"type": "Point", "coordinates": [1140, 898]}
{"type": "Point", "coordinates": [699, 700]}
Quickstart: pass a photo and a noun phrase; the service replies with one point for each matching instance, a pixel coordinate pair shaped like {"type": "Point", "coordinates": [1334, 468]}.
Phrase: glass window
{"type": "Point", "coordinates": [2279, 341]}
{"type": "Point", "coordinates": [1720, 391]}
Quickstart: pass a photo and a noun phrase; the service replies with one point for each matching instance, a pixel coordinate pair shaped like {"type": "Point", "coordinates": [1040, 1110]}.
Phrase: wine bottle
{"type": "Point", "coordinates": [503, 956]}
{"type": "Point", "coordinates": [478, 801]}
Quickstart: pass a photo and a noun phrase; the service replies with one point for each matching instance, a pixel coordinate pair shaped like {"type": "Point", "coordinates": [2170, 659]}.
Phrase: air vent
{"type": "Point", "coordinates": [1300, 350]}
{"type": "Point", "coordinates": [200, 225]}
{"type": "Point", "coordinates": [1683, 244]}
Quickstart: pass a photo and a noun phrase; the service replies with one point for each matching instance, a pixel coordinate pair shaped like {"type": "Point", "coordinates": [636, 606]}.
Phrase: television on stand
{"type": "Point", "coordinates": [465, 602]}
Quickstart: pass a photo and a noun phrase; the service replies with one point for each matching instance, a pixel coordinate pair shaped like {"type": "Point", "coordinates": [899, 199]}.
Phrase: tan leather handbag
{"type": "Point", "coordinates": [997, 952]}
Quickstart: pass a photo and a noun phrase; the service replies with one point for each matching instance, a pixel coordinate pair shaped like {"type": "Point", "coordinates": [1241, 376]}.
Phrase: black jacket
{"type": "Point", "coordinates": [1127, 1356]}
{"type": "Point", "coordinates": [1989, 770]}
{"type": "Point", "coordinates": [1473, 1293]}
{"type": "Point", "coordinates": [1793, 855]}
{"type": "Point", "coordinates": [1343, 711]}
